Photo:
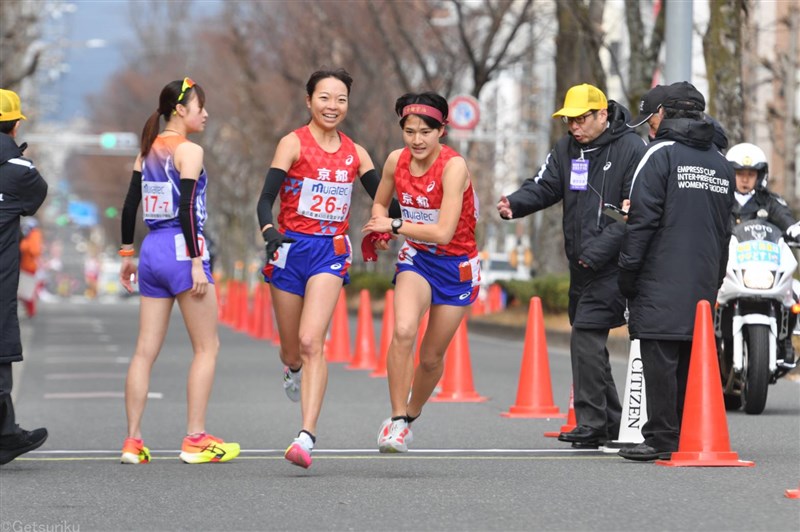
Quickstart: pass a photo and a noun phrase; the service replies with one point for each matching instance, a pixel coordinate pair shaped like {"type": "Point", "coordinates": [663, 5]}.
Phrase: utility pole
{"type": "Point", "coordinates": [678, 42]}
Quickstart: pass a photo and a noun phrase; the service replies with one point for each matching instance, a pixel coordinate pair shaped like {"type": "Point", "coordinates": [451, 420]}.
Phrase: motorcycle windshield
{"type": "Point", "coordinates": [757, 243]}
{"type": "Point", "coordinates": [758, 252]}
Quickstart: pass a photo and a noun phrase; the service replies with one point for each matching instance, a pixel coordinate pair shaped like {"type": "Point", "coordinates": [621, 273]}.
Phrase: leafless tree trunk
{"type": "Point", "coordinates": [644, 52]}
{"type": "Point", "coordinates": [722, 49]}
{"type": "Point", "coordinates": [20, 29]}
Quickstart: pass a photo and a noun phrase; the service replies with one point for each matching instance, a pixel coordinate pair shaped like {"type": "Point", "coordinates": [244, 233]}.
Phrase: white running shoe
{"type": "Point", "coordinates": [394, 436]}
{"type": "Point", "coordinates": [291, 383]}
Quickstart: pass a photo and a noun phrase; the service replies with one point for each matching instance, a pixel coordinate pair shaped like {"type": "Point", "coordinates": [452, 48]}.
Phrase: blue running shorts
{"type": "Point", "coordinates": [454, 280]}
{"type": "Point", "coordinates": [165, 268]}
{"type": "Point", "coordinates": [307, 256]}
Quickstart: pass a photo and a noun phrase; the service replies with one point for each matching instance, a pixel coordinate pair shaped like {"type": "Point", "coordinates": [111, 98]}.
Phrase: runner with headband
{"type": "Point", "coordinates": [438, 268]}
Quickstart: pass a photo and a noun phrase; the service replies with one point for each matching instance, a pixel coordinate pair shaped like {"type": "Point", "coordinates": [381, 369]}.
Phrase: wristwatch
{"type": "Point", "coordinates": [397, 223]}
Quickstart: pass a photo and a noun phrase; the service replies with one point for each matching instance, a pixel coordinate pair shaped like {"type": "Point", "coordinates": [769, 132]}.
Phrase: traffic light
{"type": "Point", "coordinates": [111, 212]}
{"type": "Point", "coordinates": [118, 140]}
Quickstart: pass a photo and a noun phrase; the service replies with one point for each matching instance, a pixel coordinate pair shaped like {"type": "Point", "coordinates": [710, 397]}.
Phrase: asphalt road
{"type": "Point", "coordinates": [469, 469]}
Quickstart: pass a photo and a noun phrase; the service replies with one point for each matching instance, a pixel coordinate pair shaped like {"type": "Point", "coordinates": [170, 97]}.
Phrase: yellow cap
{"type": "Point", "coordinates": [581, 99]}
{"type": "Point", "coordinates": [10, 108]}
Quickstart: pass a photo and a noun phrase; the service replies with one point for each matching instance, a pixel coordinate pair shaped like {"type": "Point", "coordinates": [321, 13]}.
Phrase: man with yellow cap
{"type": "Point", "coordinates": [593, 164]}
{"type": "Point", "coordinates": [22, 191]}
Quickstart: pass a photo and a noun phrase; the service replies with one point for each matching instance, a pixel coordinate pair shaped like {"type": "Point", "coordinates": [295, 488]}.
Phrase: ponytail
{"type": "Point", "coordinates": [150, 132]}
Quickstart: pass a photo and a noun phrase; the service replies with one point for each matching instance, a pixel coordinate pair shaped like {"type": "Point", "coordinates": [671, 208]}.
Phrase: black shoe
{"type": "Point", "coordinates": [644, 453]}
{"type": "Point", "coordinates": [20, 443]}
{"type": "Point", "coordinates": [587, 445]}
{"type": "Point", "coordinates": [584, 434]}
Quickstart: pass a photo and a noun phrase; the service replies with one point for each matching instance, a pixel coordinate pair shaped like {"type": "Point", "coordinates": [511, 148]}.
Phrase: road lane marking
{"type": "Point", "coordinates": [78, 376]}
{"type": "Point", "coordinates": [87, 359]}
{"type": "Point", "coordinates": [97, 395]}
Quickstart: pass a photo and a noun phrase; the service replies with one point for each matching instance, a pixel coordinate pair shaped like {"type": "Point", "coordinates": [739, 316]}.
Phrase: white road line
{"type": "Point", "coordinates": [345, 451]}
{"type": "Point", "coordinates": [78, 348]}
{"type": "Point", "coordinates": [78, 376]}
{"type": "Point", "coordinates": [87, 359]}
{"type": "Point", "coordinates": [97, 395]}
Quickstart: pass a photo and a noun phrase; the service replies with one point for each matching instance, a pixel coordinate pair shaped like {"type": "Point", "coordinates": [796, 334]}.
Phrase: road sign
{"type": "Point", "coordinates": [465, 112]}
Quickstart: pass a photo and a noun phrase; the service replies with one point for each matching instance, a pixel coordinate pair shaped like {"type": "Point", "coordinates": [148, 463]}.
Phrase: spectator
{"type": "Point", "coordinates": [22, 192]}
{"type": "Point", "coordinates": [30, 249]}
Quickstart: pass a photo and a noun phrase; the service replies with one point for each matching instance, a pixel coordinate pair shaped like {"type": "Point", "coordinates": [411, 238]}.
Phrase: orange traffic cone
{"type": "Point", "coordinates": [256, 315]}
{"type": "Point", "coordinates": [265, 326]}
{"type": "Point", "coordinates": [457, 385]}
{"type": "Point", "coordinates": [339, 345]}
{"type": "Point", "coordinates": [534, 393]}
{"type": "Point", "coordinates": [572, 420]}
{"type": "Point", "coordinates": [364, 356]}
{"type": "Point", "coordinates": [704, 437]}
{"type": "Point", "coordinates": [793, 494]}
{"type": "Point", "coordinates": [387, 329]}
{"type": "Point", "coordinates": [495, 302]}
{"type": "Point", "coordinates": [225, 313]}
{"type": "Point", "coordinates": [478, 308]}
{"type": "Point", "coordinates": [243, 306]}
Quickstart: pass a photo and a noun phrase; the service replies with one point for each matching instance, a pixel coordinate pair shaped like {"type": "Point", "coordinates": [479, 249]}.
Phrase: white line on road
{"type": "Point", "coordinates": [77, 376]}
{"type": "Point", "coordinates": [97, 395]}
{"type": "Point", "coordinates": [87, 359]}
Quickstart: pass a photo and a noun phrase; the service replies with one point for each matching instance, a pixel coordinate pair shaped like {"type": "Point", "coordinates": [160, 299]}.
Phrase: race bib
{"type": "Point", "coordinates": [157, 200]}
{"type": "Point", "coordinates": [579, 174]}
{"type": "Point", "coordinates": [406, 254]}
{"type": "Point", "coordinates": [182, 251]}
{"type": "Point", "coordinates": [324, 200]}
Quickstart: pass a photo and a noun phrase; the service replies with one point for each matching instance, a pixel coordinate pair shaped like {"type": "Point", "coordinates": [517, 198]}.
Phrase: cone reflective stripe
{"type": "Point", "coordinates": [634, 404]}
{"type": "Point", "coordinates": [534, 393]}
{"type": "Point", "coordinates": [456, 382]}
{"type": "Point", "coordinates": [572, 419]}
{"type": "Point", "coordinates": [704, 439]}
{"type": "Point", "coordinates": [364, 356]}
{"type": "Point", "coordinates": [339, 345]}
{"type": "Point", "coordinates": [387, 330]}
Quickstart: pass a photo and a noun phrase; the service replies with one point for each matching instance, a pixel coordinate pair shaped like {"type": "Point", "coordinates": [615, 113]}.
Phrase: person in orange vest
{"type": "Point", "coordinates": [30, 249]}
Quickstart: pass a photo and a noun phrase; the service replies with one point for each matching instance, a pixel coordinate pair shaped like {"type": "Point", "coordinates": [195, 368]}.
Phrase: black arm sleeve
{"type": "Point", "coordinates": [370, 181]}
{"type": "Point", "coordinates": [186, 216]}
{"type": "Point", "coordinates": [272, 186]}
{"type": "Point", "coordinates": [130, 207]}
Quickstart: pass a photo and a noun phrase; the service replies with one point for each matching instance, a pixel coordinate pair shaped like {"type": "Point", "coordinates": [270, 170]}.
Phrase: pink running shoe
{"type": "Point", "coordinates": [299, 452]}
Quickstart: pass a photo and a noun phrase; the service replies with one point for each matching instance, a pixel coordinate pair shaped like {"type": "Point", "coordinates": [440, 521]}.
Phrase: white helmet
{"type": "Point", "coordinates": [746, 156]}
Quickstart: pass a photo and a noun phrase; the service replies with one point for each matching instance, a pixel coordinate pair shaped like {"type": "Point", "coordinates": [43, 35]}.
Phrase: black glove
{"type": "Point", "coordinates": [627, 283]}
{"type": "Point", "coordinates": [274, 239]}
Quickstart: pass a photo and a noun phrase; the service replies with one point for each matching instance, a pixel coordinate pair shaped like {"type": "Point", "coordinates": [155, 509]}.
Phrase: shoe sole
{"type": "Point", "coordinates": [298, 457]}
{"type": "Point", "coordinates": [646, 458]}
{"type": "Point", "coordinates": [18, 452]}
{"type": "Point", "coordinates": [198, 458]}
{"type": "Point", "coordinates": [295, 398]}
{"type": "Point", "coordinates": [130, 458]}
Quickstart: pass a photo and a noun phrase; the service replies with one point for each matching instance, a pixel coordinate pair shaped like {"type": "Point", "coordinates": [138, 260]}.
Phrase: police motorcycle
{"type": "Point", "coordinates": [752, 318]}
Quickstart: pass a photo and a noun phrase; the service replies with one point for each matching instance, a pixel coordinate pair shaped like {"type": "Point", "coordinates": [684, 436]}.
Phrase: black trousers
{"type": "Point", "coordinates": [666, 370]}
{"type": "Point", "coordinates": [8, 424]}
{"type": "Point", "coordinates": [595, 396]}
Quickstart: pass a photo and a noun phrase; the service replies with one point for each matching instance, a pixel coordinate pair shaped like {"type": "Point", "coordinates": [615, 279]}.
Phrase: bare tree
{"type": "Point", "coordinates": [722, 49]}
{"type": "Point", "coordinates": [643, 62]}
{"type": "Point", "coordinates": [20, 30]}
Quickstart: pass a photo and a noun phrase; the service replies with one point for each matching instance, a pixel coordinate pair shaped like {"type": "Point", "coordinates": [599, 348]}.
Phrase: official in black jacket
{"type": "Point", "coordinates": [22, 191]}
{"type": "Point", "coordinates": [673, 255]}
{"type": "Point", "coordinates": [593, 164]}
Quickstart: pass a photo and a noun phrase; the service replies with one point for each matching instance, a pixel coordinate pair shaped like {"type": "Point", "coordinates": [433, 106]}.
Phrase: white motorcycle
{"type": "Point", "coordinates": [753, 318]}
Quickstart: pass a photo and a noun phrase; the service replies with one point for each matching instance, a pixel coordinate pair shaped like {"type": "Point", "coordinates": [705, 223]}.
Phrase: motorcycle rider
{"type": "Point", "coordinates": [754, 200]}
